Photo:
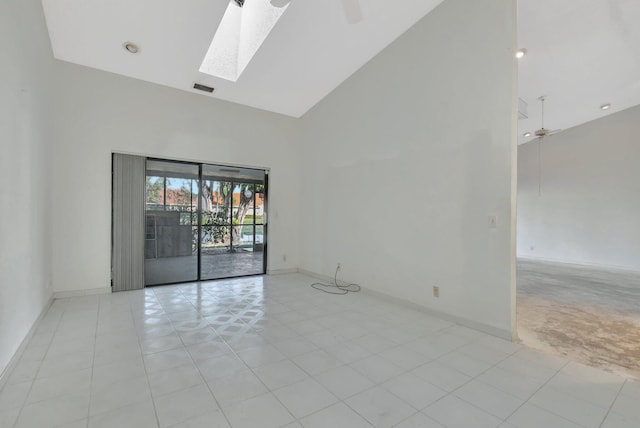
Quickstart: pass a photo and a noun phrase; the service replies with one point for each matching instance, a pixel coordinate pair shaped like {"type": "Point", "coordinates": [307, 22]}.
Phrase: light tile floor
{"type": "Point", "coordinates": [272, 352]}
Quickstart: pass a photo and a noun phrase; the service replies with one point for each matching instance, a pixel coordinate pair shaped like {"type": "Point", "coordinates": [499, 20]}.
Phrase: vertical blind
{"type": "Point", "coordinates": [127, 251]}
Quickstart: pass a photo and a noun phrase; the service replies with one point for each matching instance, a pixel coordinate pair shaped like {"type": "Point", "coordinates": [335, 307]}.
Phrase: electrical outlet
{"type": "Point", "coordinates": [436, 291]}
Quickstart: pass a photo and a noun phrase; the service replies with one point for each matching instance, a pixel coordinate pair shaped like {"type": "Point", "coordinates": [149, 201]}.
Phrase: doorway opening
{"type": "Point", "coordinates": [203, 222]}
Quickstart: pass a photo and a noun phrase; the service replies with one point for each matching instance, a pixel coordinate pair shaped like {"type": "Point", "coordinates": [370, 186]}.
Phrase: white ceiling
{"type": "Point", "coordinates": [311, 50]}
{"type": "Point", "coordinates": [581, 54]}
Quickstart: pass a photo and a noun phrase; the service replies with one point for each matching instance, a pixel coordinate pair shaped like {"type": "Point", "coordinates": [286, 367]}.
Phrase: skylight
{"type": "Point", "coordinates": [239, 36]}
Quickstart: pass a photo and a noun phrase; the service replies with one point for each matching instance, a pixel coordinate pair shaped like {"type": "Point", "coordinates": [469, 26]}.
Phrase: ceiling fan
{"type": "Point", "coordinates": [544, 132]}
{"type": "Point", "coordinates": [351, 8]}
{"type": "Point", "coordinates": [541, 134]}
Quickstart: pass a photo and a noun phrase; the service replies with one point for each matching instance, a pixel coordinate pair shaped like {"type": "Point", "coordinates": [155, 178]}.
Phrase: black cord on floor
{"type": "Point", "coordinates": [336, 288]}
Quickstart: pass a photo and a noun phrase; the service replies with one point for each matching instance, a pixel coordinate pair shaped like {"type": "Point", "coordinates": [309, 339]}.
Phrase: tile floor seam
{"type": "Point", "coordinates": [409, 404]}
{"type": "Point", "coordinates": [538, 390]}
{"type": "Point", "coordinates": [472, 404]}
{"type": "Point", "coordinates": [412, 415]}
{"type": "Point", "coordinates": [556, 415]}
{"type": "Point", "coordinates": [93, 361]}
{"type": "Point", "coordinates": [485, 411]}
{"type": "Point", "coordinates": [358, 413]}
{"type": "Point", "coordinates": [534, 393]}
{"type": "Point", "coordinates": [475, 378]}
{"type": "Point", "coordinates": [201, 377]}
{"type": "Point", "coordinates": [24, 402]}
{"type": "Point", "coordinates": [613, 402]}
{"type": "Point", "coordinates": [298, 419]}
{"type": "Point", "coordinates": [146, 372]}
{"type": "Point", "coordinates": [269, 390]}
{"type": "Point", "coordinates": [472, 378]}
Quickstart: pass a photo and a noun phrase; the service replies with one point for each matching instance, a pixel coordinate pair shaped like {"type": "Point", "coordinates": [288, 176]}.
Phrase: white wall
{"type": "Point", "coordinates": [25, 66]}
{"type": "Point", "coordinates": [427, 128]}
{"type": "Point", "coordinates": [589, 203]}
{"type": "Point", "coordinates": [98, 113]}
{"type": "Point", "coordinates": [406, 160]}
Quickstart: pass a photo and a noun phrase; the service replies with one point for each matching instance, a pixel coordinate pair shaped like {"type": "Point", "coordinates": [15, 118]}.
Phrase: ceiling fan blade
{"type": "Point", "coordinates": [352, 11]}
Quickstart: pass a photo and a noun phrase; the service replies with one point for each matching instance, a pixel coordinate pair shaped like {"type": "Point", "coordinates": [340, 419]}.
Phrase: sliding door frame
{"type": "Point", "coordinates": [199, 214]}
{"type": "Point", "coordinates": [199, 223]}
{"type": "Point", "coordinates": [265, 220]}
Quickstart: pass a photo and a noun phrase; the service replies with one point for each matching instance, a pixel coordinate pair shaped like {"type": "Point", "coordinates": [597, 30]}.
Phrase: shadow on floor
{"type": "Point", "coordinates": [168, 270]}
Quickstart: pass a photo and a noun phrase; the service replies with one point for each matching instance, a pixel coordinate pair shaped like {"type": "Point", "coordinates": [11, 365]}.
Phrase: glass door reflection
{"type": "Point", "coordinates": [232, 217]}
{"type": "Point", "coordinates": [203, 222]}
{"type": "Point", "coordinates": [171, 227]}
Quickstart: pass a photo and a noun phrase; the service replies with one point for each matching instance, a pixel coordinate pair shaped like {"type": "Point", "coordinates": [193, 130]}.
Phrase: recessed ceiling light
{"type": "Point", "coordinates": [605, 106]}
{"type": "Point", "coordinates": [520, 53]}
{"type": "Point", "coordinates": [527, 134]}
{"type": "Point", "coordinates": [131, 47]}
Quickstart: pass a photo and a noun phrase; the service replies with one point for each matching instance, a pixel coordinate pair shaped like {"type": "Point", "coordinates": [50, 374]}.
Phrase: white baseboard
{"type": "Point", "coordinates": [485, 328]}
{"type": "Point", "coordinates": [18, 354]}
{"type": "Point", "coordinates": [319, 276]}
{"type": "Point", "coordinates": [578, 264]}
{"type": "Point", "coordinates": [80, 293]}
{"type": "Point", "coordinates": [281, 271]}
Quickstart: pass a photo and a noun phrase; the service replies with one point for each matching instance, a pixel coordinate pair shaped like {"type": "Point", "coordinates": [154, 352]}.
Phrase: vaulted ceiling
{"type": "Point", "coordinates": [314, 47]}
{"type": "Point", "coordinates": [581, 54]}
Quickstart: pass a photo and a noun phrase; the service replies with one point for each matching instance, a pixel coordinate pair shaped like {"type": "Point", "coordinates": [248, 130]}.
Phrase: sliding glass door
{"type": "Point", "coordinates": [232, 222]}
{"type": "Point", "coordinates": [203, 222]}
{"type": "Point", "coordinates": [171, 222]}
